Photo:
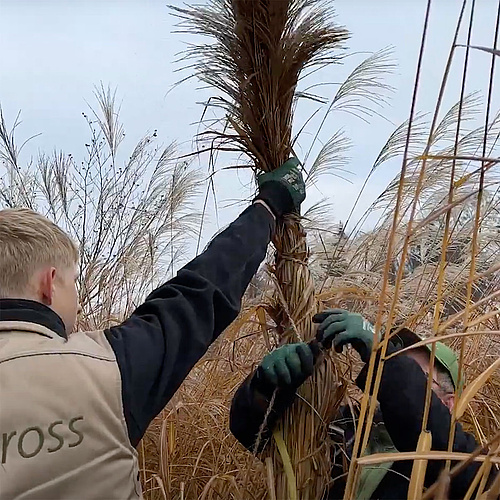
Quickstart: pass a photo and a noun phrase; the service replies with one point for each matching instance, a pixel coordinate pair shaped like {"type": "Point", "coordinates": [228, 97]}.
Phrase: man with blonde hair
{"type": "Point", "coordinates": [73, 406]}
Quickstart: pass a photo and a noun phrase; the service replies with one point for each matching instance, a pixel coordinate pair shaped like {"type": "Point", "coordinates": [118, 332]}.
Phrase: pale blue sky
{"type": "Point", "coordinates": [55, 51]}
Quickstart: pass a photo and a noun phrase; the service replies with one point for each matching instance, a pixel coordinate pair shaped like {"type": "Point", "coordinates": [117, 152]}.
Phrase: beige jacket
{"type": "Point", "coordinates": [62, 429]}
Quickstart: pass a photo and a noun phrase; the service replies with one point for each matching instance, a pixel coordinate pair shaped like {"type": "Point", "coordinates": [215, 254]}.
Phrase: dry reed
{"type": "Point", "coordinates": [131, 215]}
{"type": "Point", "coordinates": [432, 260]}
{"type": "Point", "coordinates": [261, 50]}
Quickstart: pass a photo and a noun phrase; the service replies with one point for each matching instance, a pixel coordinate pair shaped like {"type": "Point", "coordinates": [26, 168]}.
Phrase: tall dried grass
{"type": "Point", "coordinates": [260, 51]}
{"type": "Point", "coordinates": [431, 261]}
{"type": "Point", "coordinates": [131, 214]}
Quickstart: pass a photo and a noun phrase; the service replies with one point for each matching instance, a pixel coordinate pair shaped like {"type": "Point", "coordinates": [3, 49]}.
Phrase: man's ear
{"type": "Point", "coordinates": [449, 401]}
{"type": "Point", "coordinates": [46, 285]}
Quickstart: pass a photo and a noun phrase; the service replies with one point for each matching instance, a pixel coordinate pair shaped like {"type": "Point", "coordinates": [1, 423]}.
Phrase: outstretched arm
{"type": "Point", "coordinates": [163, 339]}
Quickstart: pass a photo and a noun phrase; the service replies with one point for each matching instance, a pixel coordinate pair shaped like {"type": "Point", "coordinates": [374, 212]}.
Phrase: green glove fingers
{"type": "Point", "coordinates": [289, 174]}
{"type": "Point", "coordinates": [307, 362]}
{"type": "Point", "coordinates": [330, 313]}
{"type": "Point", "coordinates": [267, 370]}
{"type": "Point", "coordinates": [332, 331]}
{"type": "Point", "coordinates": [282, 371]}
{"type": "Point", "coordinates": [332, 322]}
{"type": "Point", "coordinates": [307, 359]}
{"type": "Point", "coordinates": [290, 180]}
{"type": "Point", "coordinates": [341, 328]}
{"type": "Point", "coordinates": [343, 339]}
{"type": "Point", "coordinates": [294, 366]}
{"type": "Point", "coordinates": [286, 367]}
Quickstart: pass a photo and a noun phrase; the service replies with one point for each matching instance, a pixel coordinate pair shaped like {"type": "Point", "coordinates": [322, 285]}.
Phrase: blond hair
{"type": "Point", "coordinates": [28, 242]}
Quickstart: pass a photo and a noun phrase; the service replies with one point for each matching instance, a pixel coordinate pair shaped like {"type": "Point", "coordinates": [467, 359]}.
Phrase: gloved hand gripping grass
{"type": "Point", "coordinates": [287, 367]}
{"type": "Point", "coordinates": [286, 185]}
{"type": "Point", "coordinates": [338, 327]}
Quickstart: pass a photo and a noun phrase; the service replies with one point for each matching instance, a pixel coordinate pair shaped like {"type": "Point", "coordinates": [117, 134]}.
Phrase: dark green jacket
{"type": "Point", "coordinates": [401, 397]}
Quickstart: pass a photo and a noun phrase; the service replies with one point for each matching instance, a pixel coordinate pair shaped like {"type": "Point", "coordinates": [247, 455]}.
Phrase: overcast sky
{"type": "Point", "coordinates": [53, 52]}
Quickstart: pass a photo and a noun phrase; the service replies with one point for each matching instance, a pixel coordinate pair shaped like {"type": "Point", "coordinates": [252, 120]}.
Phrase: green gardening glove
{"type": "Point", "coordinates": [287, 367]}
{"type": "Point", "coordinates": [283, 189]}
{"type": "Point", "coordinates": [340, 327]}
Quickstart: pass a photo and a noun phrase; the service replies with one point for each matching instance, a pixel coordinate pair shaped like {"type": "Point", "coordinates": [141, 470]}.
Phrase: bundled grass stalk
{"type": "Point", "coordinates": [262, 48]}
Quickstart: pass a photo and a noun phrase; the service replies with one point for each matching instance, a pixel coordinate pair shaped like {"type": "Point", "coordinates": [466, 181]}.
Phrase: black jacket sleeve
{"type": "Point", "coordinates": [164, 338]}
{"type": "Point", "coordinates": [249, 408]}
{"type": "Point", "coordinates": [402, 399]}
